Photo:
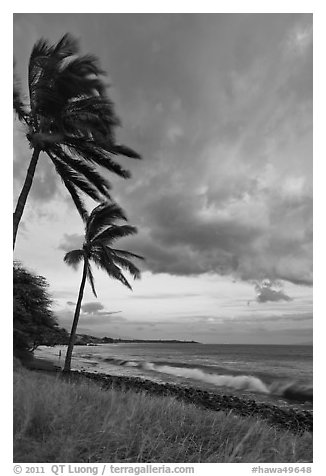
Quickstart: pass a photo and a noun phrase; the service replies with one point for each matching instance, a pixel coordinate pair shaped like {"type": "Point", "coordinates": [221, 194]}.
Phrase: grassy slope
{"type": "Point", "coordinates": [56, 421]}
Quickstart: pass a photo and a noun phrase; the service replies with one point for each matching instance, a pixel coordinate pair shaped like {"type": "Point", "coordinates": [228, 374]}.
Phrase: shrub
{"type": "Point", "coordinates": [33, 321]}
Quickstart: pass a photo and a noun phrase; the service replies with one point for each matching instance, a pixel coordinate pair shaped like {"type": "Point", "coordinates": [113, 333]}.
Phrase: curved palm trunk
{"type": "Point", "coordinates": [75, 321]}
{"type": "Point", "coordinates": [24, 192]}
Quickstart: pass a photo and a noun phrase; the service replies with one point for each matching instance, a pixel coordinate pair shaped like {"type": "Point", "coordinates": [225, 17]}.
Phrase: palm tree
{"type": "Point", "coordinates": [101, 231]}
{"type": "Point", "coordinates": [72, 120]}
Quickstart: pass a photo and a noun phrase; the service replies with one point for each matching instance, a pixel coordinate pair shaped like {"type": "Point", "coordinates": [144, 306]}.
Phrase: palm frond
{"type": "Point", "coordinates": [103, 215]}
{"type": "Point", "coordinates": [46, 102]}
{"type": "Point", "coordinates": [127, 265]}
{"type": "Point", "coordinates": [80, 182]}
{"type": "Point", "coordinates": [90, 278]}
{"type": "Point", "coordinates": [73, 258]}
{"type": "Point", "coordinates": [104, 262]}
{"type": "Point", "coordinates": [56, 76]}
{"type": "Point", "coordinates": [41, 48]}
{"type": "Point", "coordinates": [83, 124]}
{"type": "Point", "coordinates": [80, 76]}
{"type": "Point", "coordinates": [102, 106]}
{"type": "Point", "coordinates": [112, 166]}
{"type": "Point", "coordinates": [127, 254]}
{"type": "Point", "coordinates": [73, 192]}
{"type": "Point", "coordinates": [113, 233]}
{"type": "Point", "coordinates": [85, 65]}
{"type": "Point", "coordinates": [79, 204]}
{"type": "Point", "coordinates": [71, 85]}
{"type": "Point", "coordinates": [38, 61]}
{"type": "Point", "coordinates": [85, 170]}
{"type": "Point", "coordinates": [118, 275]}
{"type": "Point", "coordinates": [115, 273]}
{"type": "Point", "coordinates": [67, 46]}
{"type": "Point", "coordinates": [126, 151]}
{"type": "Point", "coordinates": [91, 118]}
{"type": "Point", "coordinates": [91, 151]}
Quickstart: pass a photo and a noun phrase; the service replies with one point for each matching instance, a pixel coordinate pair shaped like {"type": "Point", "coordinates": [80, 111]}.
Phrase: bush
{"type": "Point", "coordinates": [33, 321]}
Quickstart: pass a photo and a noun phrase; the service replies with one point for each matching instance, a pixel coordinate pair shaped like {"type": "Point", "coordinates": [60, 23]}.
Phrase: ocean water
{"type": "Point", "coordinates": [278, 373]}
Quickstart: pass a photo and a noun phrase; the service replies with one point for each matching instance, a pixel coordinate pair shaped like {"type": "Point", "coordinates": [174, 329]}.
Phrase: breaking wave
{"type": "Point", "coordinates": [239, 382]}
{"type": "Point", "coordinates": [293, 391]}
{"type": "Point", "coordinates": [288, 390]}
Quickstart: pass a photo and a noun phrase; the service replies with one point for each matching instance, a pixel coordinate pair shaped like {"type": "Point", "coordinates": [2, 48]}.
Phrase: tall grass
{"type": "Point", "coordinates": [57, 421]}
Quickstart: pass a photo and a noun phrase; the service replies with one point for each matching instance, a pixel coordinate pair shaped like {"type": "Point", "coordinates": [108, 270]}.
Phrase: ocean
{"type": "Point", "coordinates": [279, 374]}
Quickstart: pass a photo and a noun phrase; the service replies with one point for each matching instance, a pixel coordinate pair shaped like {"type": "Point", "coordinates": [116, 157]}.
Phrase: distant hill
{"type": "Point", "coordinates": [84, 339]}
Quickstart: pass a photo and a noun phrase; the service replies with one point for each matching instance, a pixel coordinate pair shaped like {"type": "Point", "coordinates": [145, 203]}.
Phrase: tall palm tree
{"type": "Point", "coordinates": [101, 231]}
{"type": "Point", "coordinates": [72, 120]}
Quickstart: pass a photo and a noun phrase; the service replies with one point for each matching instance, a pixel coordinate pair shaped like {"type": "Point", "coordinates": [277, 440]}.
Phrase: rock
{"type": "Point", "coordinates": [290, 419]}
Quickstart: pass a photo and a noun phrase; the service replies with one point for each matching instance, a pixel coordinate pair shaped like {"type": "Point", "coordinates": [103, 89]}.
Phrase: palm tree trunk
{"type": "Point", "coordinates": [25, 191]}
{"type": "Point", "coordinates": [75, 321]}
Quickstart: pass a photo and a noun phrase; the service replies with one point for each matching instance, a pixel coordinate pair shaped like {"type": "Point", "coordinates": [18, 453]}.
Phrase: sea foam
{"type": "Point", "coordinates": [289, 390]}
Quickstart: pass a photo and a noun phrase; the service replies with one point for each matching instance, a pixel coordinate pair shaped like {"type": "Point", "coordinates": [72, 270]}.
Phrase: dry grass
{"type": "Point", "coordinates": [57, 421]}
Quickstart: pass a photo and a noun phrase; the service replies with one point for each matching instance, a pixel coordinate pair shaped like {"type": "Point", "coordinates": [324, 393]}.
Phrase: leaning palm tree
{"type": "Point", "coordinates": [101, 231]}
{"type": "Point", "coordinates": [72, 120]}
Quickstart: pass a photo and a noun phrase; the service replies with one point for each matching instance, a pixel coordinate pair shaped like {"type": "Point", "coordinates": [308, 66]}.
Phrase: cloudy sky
{"type": "Point", "coordinates": [220, 108]}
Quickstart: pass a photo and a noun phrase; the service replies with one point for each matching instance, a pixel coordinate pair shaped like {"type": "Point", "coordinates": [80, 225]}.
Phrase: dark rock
{"type": "Point", "coordinates": [294, 420]}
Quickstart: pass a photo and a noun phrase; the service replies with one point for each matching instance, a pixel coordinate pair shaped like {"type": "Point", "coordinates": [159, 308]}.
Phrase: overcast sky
{"type": "Point", "coordinates": [220, 108]}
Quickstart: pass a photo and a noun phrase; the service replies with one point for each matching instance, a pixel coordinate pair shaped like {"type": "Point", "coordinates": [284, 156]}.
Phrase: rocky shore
{"type": "Point", "coordinates": [285, 419]}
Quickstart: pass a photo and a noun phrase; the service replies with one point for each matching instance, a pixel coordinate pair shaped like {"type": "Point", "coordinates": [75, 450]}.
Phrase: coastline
{"type": "Point", "coordinates": [295, 421]}
{"type": "Point", "coordinates": [261, 384]}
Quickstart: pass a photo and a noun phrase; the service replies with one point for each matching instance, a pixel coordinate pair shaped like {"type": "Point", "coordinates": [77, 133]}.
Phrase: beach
{"type": "Point", "coordinates": [248, 396]}
{"type": "Point", "coordinates": [281, 375]}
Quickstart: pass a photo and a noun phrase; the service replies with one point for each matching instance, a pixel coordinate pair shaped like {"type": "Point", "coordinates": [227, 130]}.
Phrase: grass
{"type": "Point", "coordinates": [56, 421]}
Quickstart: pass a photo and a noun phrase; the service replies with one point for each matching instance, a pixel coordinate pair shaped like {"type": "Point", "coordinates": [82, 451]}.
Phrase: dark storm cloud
{"type": "Point", "coordinates": [229, 209]}
{"type": "Point", "coordinates": [262, 235]}
{"type": "Point", "coordinates": [267, 294]}
{"type": "Point", "coordinates": [92, 307]}
{"type": "Point", "coordinates": [97, 310]}
{"type": "Point", "coordinates": [220, 107]}
{"type": "Point", "coordinates": [269, 291]}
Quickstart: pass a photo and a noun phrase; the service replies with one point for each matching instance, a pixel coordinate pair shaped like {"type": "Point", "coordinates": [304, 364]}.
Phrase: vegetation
{"type": "Point", "coordinates": [101, 231]}
{"type": "Point", "coordinates": [34, 323]}
{"type": "Point", "coordinates": [65, 422]}
{"type": "Point", "coordinates": [85, 339]}
{"type": "Point", "coordinates": [71, 119]}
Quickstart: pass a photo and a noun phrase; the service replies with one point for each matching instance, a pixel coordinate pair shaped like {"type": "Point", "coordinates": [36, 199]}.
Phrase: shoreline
{"type": "Point", "coordinates": [263, 388]}
{"type": "Point", "coordinates": [295, 421]}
